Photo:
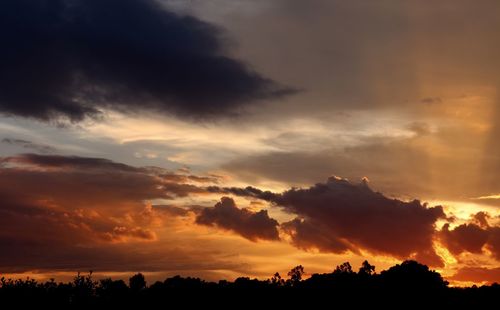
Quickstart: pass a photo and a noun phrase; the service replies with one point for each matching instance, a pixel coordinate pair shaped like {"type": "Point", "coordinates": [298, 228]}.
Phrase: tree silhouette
{"type": "Point", "coordinates": [366, 269]}
{"type": "Point", "coordinates": [276, 280]}
{"type": "Point", "coordinates": [407, 284]}
{"type": "Point", "coordinates": [137, 282]}
{"type": "Point", "coordinates": [296, 274]}
{"type": "Point", "coordinates": [83, 288]}
{"type": "Point", "coordinates": [412, 275]}
{"type": "Point", "coordinates": [344, 268]}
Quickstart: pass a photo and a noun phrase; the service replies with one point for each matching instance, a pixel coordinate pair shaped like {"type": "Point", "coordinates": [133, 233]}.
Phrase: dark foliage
{"type": "Point", "coordinates": [407, 285]}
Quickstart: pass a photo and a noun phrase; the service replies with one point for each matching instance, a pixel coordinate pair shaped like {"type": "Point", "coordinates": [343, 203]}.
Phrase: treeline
{"type": "Point", "coordinates": [404, 285]}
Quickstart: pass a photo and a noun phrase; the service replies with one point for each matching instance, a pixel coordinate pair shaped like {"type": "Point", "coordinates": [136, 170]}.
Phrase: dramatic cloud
{"type": "Point", "coordinates": [24, 218]}
{"type": "Point", "coordinates": [400, 92]}
{"type": "Point", "coordinates": [37, 236]}
{"type": "Point", "coordinates": [73, 213]}
{"type": "Point", "coordinates": [76, 213]}
{"type": "Point", "coordinates": [337, 216]}
{"type": "Point", "coordinates": [72, 190]}
{"type": "Point", "coordinates": [73, 58]}
{"type": "Point", "coordinates": [80, 182]}
{"type": "Point", "coordinates": [356, 214]}
{"type": "Point", "coordinates": [68, 212]}
{"type": "Point", "coordinates": [466, 237]}
{"type": "Point", "coordinates": [473, 237]}
{"type": "Point", "coordinates": [251, 225]}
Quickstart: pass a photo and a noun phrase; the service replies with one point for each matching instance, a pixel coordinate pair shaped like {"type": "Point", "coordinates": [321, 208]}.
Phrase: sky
{"type": "Point", "coordinates": [228, 138]}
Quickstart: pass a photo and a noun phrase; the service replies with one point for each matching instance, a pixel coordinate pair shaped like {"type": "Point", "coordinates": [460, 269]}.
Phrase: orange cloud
{"type": "Point", "coordinates": [477, 275]}
{"type": "Point", "coordinates": [69, 213]}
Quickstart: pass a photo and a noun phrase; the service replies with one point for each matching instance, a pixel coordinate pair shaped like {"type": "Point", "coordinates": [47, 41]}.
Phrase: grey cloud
{"type": "Point", "coordinates": [349, 55]}
{"type": "Point", "coordinates": [41, 148]}
{"type": "Point", "coordinates": [82, 182]}
{"type": "Point", "coordinates": [432, 163]}
{"type": "Point", "coordinates": [394, 166]}
{"type": "Point", "coordinates": [251, 225]}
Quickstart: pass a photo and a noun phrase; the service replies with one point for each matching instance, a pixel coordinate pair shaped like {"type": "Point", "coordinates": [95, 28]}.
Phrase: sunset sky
{"type": "Point", "coordinates": [227, 138]}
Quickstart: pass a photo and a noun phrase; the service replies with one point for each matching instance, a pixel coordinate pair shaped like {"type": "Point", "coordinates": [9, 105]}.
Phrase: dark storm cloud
{"type": "Point", "coordinates": [72, 58]}
{"type": "Point", "coordinates": [251, 225]}
{"type": "Point", "coordinates": [338, 216]}
{"type": "Point", "coordinates": [464, 238]}
{"type": "Point", "coordinates": [473, 237]}
{"type": "Point", "coordinates": [346, 213]}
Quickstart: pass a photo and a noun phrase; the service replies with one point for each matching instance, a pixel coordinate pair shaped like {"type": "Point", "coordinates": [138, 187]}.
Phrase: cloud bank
{"type": "Point", "coordinates": [58, 209]}
{"type": "Point", "coordinates": [67, 213]}
{"type": "Point", "coordinates": [74, 58]}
